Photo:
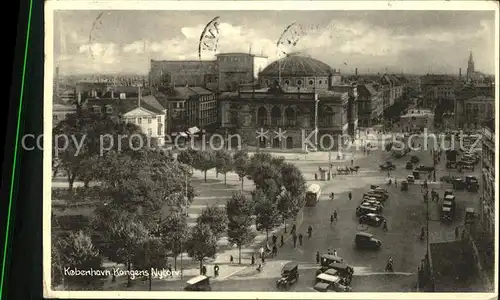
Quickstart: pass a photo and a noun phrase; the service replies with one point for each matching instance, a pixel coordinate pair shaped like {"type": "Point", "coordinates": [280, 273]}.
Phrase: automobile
{"type": "Point", "coordinates": [342, 270]}
{"type": "Point", "coordinates": [423, 168]}
{"type": "Point", "coordinates": [373, 203]}
{"type": "Point", "coordinates": [469, 165]}
{"type": "Point", "coordinates": [369, 198]}
{"type": "Point", "coordinates": [373, 186]}
{"type": "Point", "coordinates": [404, 185]}
{"type": "Point", "coordinates": [409, 165]}
{"type": "Point", "coordinates": [447, 192]}
{"type": "Point", "coordinates": [410, 179]}
{"type": "Point", "coordinates": [458, 184]}
{"type": "Point", "coordinates": [330, 283]}
{"type": "Point", "coordinates": [447, 214]}
{"type": "Point", "coordinates": [381, 192]}
{"type": "Point", "coordinates": [365, 240]}
{"type": "Point", "coordinates": [377, 196]}
{"type": "Point", "coordinates": [416, 174]}
{"type": "Point", "coordinates": [328, 262]}
{"type": "Point", "coordinates": [387, 166]}
{"type": "Point", "coordinates": [471, 158]}
{"type": "Point", "coordinates": [470, 179]}
{"type": "Point", "coordinates": [447, 178]}
{"type": "Point", "coordinates": [414, 159]}
{"type": "Point", "coordinates": [364, 209]}
{"type": "Point", "coordinates": [371, 219]}
{"type": "Point", "coordinates": [470, 215]}
{"type": "Point", "coordinates": [200, 283]}
{"type": "Point", "coordinates": [289, 275]}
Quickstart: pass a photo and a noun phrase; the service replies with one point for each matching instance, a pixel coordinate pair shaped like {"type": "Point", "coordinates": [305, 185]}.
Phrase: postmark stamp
{"type": "Point", "coordinates": [209, 38]}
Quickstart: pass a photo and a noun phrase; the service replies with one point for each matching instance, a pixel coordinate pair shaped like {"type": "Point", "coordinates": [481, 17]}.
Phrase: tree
{"type": "Point", "coordinates": [293, 181]}
{"type": "Point", "coordinates": [287, 206]}
{"type": "Point", "coordinates": [216, 218]}
{"type": "Point", "coordinates": [186, 157]}
{"type": "Point", "coordinates": [76, 250]}
{"type": "Point", "coordinates": [204, 161]}
{"type": "Point", "coordinates": [223, 163]}
{"type": "Point", "coordinates": [174, 232]}
{"type": "Point", "coordinates": [241, 162]}
{"type": "Point", "coordinates": [122, 235]}
{"type": "Point", "coordinates": [263, 173]}
{"type": "Point", "coordinates": [201, 243]}
{"type": "Point", "coordinates": [239, 212]}
{"type": "Point", "coordinates": [266, 212]}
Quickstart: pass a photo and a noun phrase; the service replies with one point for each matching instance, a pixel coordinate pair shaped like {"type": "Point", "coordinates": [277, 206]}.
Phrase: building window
{"type": "Point", "coordinates": [139, 120]}
{"type": "Point", "coordinates": [158, 119]}
{"type": "Point", "coordinates": [287, 81]}
{"type": "Point", "coordinates": [150, 120]}
{"type": "Point", "coordinates": [311, 82]}
{"type": "Point", "coordinates": [109, 109]}
{"type": "Point", "coordinates": [320, 82]}
{"type": "Point", "coordinates": [150, 132]}
{"type": "Point", "coordinates": [97, 109]}
{"type": "Point", "coordinates": [299, 82]}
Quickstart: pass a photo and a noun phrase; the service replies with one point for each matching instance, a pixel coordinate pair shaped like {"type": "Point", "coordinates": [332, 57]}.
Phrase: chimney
{"type": "Point", "coordinates": [356, 72]}
{"type": "Point", "coordinates": [460, 73]}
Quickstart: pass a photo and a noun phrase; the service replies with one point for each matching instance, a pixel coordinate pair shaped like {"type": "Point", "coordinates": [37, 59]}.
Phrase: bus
{"type": "Point", "coordinates": [312, 195]}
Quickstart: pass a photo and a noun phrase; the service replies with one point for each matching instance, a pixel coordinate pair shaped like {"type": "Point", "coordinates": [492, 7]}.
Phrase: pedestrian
{"type": "Point", "coordinates": [294, 241]}
{"type": "Point", "coordinates": [395, 182]}
{"type": "Point", "coordinates": [275, 250]}
{"type": "Point", "coordinates": [282, 241]}
{"type": "Point", "coordinates": [350, 196]}
{"type": "Point", "coordinates": [334, 252]}
{"type": "Point", "coordinates": [329, 252]}
{"type": "Point", "coordinates": [252, 259]}
{"type": "Point", "coordinates": [216, 270]}
{"type": "Point", "coordinates": [169, 268]}
{"type": "Point", "coordinates": [263, 259]}
{"type": "Point", "coordinates": [275, 239]}
{"type": "Point", "coordinates": [300, 239]}
{"type": "Point", "coordinates": [456, 232]}
{"type": "Point", "coordinates": [315, 176]}
{"type": "Point", "coordinates": [352, 162]}
{"type": "Point", "coordinates": [335, 215]}
{"type": "Point", "coordinates": [261, 251]}
{"type": "Point", "coordinates": [204, 270]}
{"type": "Point", "coordinates": [309, 231]}
{"type": "Point", "coordinates": [332, 196]}
{"type": "Point", "coordinates": [231, 259]}
{"type": "Point", "coordinates": [317, 257]}
{"type": "Point", "coordinates": [331, 219]}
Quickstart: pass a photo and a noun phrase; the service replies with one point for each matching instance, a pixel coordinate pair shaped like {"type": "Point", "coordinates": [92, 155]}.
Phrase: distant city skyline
{"type": "Point", "coordinates": [409, 42]}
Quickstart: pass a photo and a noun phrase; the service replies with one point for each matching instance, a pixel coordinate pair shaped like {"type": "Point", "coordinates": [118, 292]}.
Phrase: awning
{"type": "Point", "coordinates": [193, 130]}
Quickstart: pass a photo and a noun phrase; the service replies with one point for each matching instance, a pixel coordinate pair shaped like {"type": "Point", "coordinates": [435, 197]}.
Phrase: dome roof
{"type": "Point", "coordinates": [296, 65]}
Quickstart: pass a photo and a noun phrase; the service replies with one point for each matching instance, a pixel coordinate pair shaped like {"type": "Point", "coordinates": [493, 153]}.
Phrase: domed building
{"type": "Point", "coordinates": [298, 96]}
{"type": "Point", "coordinates": [298, 71]}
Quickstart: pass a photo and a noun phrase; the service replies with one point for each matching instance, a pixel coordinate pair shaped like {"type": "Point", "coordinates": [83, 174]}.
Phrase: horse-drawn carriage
{"type": "Point", "coordinates": [347, 170]}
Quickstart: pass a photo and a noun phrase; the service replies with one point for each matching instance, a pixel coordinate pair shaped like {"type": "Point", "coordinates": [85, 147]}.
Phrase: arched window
{"type": "Point", "coordinates": [290, 118]}
{"type": "Point", "coordinates": [299, 82]}
{"type": "Point", "coordinates": [311, 82]}
{"type": "Point", "coordinates": [287, 81]}
{"type": "Point", "coordinates": [262, 116]}
{"type": "Point", "coordinates": [276, 116]}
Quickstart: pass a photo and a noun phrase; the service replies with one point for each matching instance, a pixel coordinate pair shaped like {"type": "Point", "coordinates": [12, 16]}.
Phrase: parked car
{"type": "Point", "coordinates": [377, 196]}
{"type": "Point", "coordinates": [342, 270]}
{"type": "Point", "coordinates": [387, 166]}
{"type": "Point", "coordinates": [371, 219]}
{"type": "Point", "coordinates": [364, 210]}
{"type": "Point", "coordinates": [470, 215]}
{"type": "Point", "coordinates": [199, 283]}
{"type": "Point", "coordinates": [380, 191]}
{"type": "Point", "coordinates": [410, 179]}
{"type": "Point", "coordinates": [409, 165]}
{"type": "Point", "coordinates": [423, 168]}
{"type": "Point", "coordinates": [471, 183]}
{"type": "Point", "coordinates": [365, 240]}
{"type": "Point", "coordinates": [327, 283]}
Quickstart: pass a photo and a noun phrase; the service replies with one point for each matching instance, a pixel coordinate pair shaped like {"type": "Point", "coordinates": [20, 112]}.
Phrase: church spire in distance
{"type": "Point", "coordinates": [470, 67]}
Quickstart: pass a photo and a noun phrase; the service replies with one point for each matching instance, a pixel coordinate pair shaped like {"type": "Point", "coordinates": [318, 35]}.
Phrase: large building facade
{"type": "Point", "coordinates": [297, 94]}
{"type": "Point", "coordinates": [487, 213]}
{"type": "Point", "coordinates": [474, 105]}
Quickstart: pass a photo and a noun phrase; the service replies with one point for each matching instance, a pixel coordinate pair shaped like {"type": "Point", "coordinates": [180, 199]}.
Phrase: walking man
{"type": "Point", "coordinates": [331, 219]}
{"type": "Point", "coordinates": [350, 196]}
{"type": "Point", "coordinates": [253, 259]}
{"type": "Point", "coordinates": [334, 252]}
{"type": "Point", "coordinates": [300, 239]}
{"type": "Point", "coordinates": [309, 231]}
{"type": "Point", "coordinates": [294, 240]}
{"type": "Point", "coordinates": [317, 257]}
{"type": "Point", "coordinates": [335, 215]}
{"type": "Point", "coordinates": [282, 241]}
{"type": "Point", "coordinates": [216, 270]}
{"type": "Point", "coordinates": [261, 251]}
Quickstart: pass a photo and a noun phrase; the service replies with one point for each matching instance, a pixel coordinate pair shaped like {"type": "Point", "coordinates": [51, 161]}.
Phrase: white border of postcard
{"type": "Point", "coordinates": [52, 5]}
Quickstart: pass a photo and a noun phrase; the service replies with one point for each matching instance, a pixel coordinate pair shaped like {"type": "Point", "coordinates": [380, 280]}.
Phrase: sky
{"type": "Point", "coordinates": [416, 42]}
